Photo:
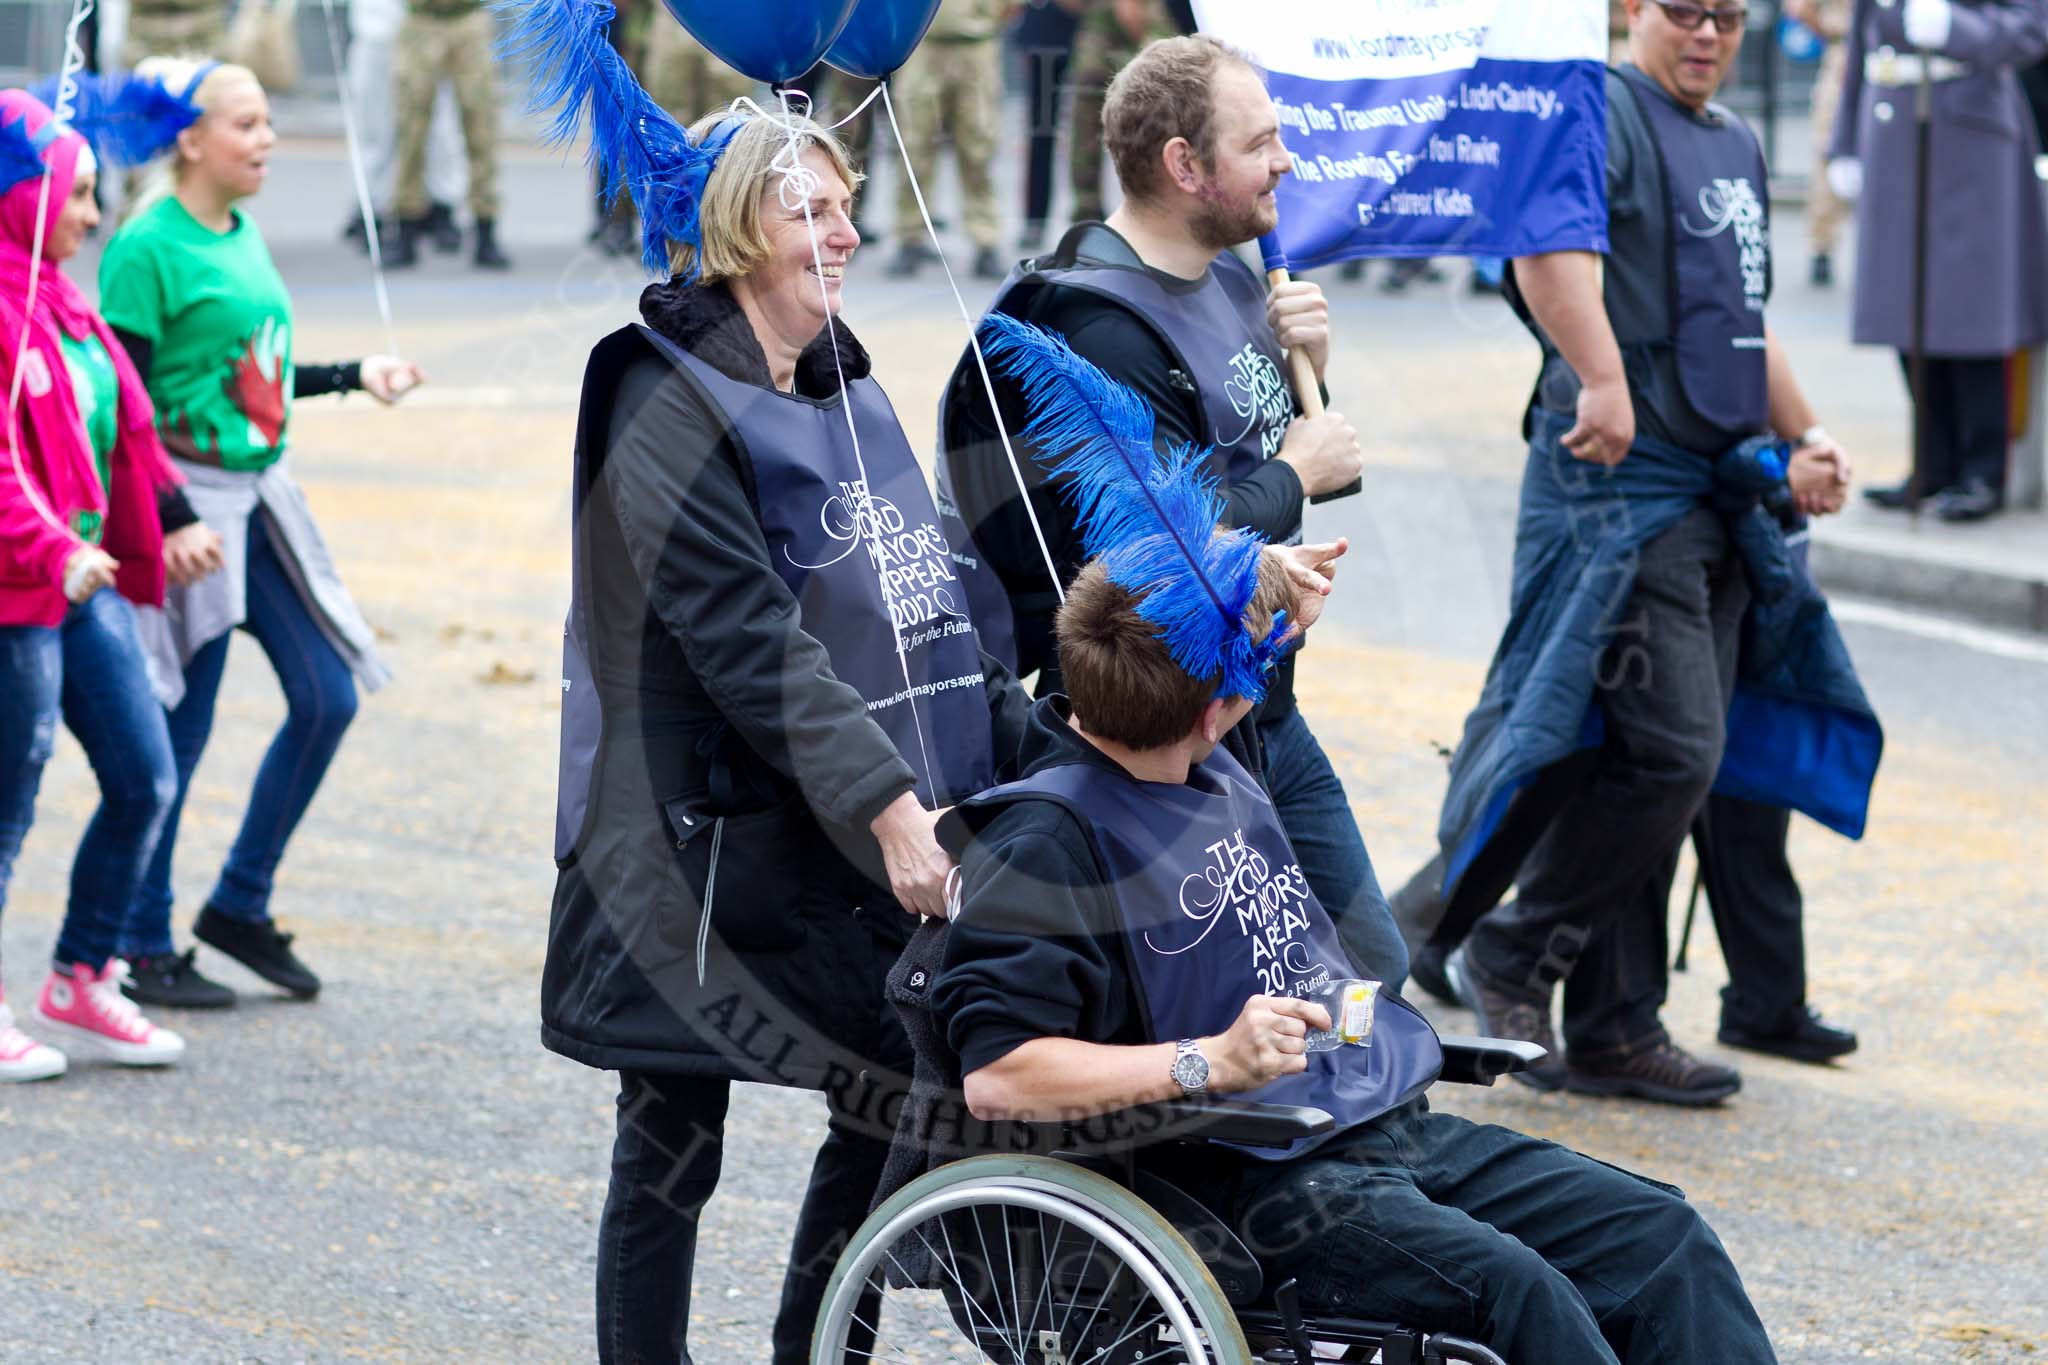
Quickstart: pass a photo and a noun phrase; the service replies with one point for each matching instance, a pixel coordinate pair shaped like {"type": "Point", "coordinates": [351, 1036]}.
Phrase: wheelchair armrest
{"type": "Point", "coordinates": [1470, 1060]}
{"type": "Point", "coordinates": [1253, 1124]}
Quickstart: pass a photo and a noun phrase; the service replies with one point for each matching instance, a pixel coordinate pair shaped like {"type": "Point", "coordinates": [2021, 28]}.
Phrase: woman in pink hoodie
{"type": "Point", "coordinates": [81, 472]}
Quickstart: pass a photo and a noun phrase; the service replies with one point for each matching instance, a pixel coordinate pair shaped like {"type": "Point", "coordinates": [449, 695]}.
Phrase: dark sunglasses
{"type": "Point", "coordinates": [1727, 18]}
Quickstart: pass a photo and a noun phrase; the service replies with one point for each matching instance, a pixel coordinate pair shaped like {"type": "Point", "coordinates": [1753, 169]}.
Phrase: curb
{"type": "Point", "coordinates": [1937, 574]}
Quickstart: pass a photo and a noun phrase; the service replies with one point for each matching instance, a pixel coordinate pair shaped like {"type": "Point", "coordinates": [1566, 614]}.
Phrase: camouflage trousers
{"type": "Point", "coordinates": [682, 77]}
{"type": "Point", "coordinates": [457, 50]}
{"type": "Point", "coordinates": [1101, 49]}
{"type": "Point", "coordinates": [175, 33]}
{"type": "Point", "coordinates": [951, 89]}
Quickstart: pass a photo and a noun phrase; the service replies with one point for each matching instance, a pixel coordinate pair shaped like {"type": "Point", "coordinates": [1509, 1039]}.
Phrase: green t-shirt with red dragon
{"type": "Point", "coordinates": [214, 310]}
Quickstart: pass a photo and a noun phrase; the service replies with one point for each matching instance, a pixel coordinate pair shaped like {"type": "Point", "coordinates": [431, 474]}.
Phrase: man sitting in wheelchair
{"type": "Point", "coordinates": [1133, 929]}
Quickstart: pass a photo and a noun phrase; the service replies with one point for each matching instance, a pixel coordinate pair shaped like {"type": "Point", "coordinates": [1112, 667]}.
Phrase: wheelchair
{"type": "Point", "coordinates": [1080, 1257]}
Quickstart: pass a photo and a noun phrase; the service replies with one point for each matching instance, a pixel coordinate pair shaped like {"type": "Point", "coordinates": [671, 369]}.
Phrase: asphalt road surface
{"type": "Point", "coordinates": [399, 1172]}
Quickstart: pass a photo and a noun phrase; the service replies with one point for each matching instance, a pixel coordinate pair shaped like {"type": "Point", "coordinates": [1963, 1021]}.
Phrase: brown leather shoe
{"type": "Point", "coordinates": [1661, 1071]}
{"type": "Point", "coordinates": [1509, 1014]}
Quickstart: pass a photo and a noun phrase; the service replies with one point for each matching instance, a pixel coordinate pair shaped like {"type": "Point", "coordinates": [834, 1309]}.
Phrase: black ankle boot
{"type": "Point", "coordinates": [403, 251]}
{"type": "Point", "coordinates": [442, 230]}
{"type": "Point", "coordinates": [488, 257]}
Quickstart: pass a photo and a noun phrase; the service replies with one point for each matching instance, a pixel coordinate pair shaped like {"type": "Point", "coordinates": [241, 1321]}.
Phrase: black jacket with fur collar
{"type": "Point", "coordinates": [716, 703]}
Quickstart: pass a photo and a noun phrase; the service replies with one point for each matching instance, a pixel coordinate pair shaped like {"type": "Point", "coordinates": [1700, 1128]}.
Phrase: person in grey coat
{"type": "Point", "coordinates": [1987, 284]}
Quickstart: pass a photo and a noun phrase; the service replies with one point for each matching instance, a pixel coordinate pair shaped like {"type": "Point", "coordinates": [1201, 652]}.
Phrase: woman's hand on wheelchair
{"type": "Point", "coordinates": [1269, 1040]}
{"type": "Point", "coordinates": [917, 865]}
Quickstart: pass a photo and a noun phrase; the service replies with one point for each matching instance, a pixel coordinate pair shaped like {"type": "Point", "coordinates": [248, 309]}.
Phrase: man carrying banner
{"type": "Point", "coordinates": [1154, 297]}
{"type": "Point", "coordinates": [1645, 563]}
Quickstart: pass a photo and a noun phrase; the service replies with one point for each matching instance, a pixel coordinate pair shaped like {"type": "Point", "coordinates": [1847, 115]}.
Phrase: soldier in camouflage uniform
{"type": "Point", "coordinates": [448, 40]}
{"type": "Point", "coordinates": [681, 75]}
{"type": "Point", "coordinates": [1109, 35]}
{"type": "Point", "coordinates": [1825, 211]}
{"type": "Point", "coordinates": [175, 28]}
{"type": "Point", "coordinates": [950, 87]}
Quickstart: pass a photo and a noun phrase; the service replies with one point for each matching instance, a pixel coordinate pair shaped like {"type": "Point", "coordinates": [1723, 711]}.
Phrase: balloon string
{"type": "Point", "coordinates": [974, 341]}
{"type": "Point", "coordinates": [362, 181]}
{"type": "Point", "coordinates": [67, 92]}
{"type": "Point", "coordinates": [835, 127]}
{"type": "Point", "coordinates": [799, 183]}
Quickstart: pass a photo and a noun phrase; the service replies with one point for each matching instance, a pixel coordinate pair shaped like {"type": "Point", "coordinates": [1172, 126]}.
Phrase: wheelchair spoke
{"type": "Point", "coordinates": [1050, 1258]}
{"type": "Point", "coordinates": [1016, 1355]}
{"type": "Point", "coordinates": [1129, 1332]}
{"type": "Point", "coordinates": [988, 1264]}
{"type": "Point", "coordinates": [1092, 1316]}
{"type": "Point", "coordinates": [1072, 1302]}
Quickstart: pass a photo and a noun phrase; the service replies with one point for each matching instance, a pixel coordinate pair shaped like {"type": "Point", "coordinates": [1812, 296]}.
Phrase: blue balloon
{"type": "Point", "coordinates": [770, 42]}
{"type": "Point", "coordinates": [881, 36]}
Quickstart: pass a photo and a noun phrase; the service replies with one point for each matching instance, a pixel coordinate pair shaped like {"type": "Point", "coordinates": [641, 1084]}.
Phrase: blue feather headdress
{"type": "Point", "coordinates": [1151, 520]}
{"type": "Point", "coordinates": [21, 152]}
{"type": "Point", "coordinates": [638, 147]}
{"type": "Point", "coordinates": [128, 119]}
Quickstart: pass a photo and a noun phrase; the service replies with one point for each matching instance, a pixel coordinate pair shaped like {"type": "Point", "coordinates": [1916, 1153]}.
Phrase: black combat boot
{"type": "Point", "coordinates": [488, 257]}
{"type": "Point", "coordinates": [442, 230]}
{"type": "Point", "coordinates": [403, 251]}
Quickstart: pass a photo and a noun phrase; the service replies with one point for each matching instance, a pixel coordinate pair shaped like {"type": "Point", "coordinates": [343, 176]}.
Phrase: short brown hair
{"type": "Point", "coordinates": [730, 216]}
{"type": "Point", "coordinates": [1163, 93]}
{"type": "Point", "coordinates": [1119, 675]}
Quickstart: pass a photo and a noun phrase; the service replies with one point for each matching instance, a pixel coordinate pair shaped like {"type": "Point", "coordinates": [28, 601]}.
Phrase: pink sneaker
{"type": "Point", "coordinates": [22, 1058]}
{"type": "Point", "coordinates": [87, 1009]}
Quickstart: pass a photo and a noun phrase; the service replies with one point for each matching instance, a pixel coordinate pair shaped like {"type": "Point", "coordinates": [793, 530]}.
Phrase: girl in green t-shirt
{"type": "Point", "coordinates": [190, 288]}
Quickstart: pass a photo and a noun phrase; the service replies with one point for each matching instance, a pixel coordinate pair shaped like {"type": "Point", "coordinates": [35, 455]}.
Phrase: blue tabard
{"type": "Point", "coordinates": [1719, 228]}
{"type": "Point", "coordinates": [834, 540]}
{"type": "Point", "coordinates": [1224, 355]}
{"type": "Point", "coordinates": [1215, 910]}
{"type": "Point", "coordinates": [1218, 337]}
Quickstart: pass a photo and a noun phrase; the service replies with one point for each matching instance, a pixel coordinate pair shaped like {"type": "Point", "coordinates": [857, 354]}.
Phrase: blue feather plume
{"type": "Point", "coordinates": [637, 146]}
{"type": "Point", "coordinates": [1152, 520]}
{"type": "Point", "coordinates": [20, 158]}
{"type": "Point", "coordinates": [128, 119]}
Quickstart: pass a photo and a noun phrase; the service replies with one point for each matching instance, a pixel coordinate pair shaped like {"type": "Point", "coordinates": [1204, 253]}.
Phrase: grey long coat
{"type": "Point", "coordinates": [1987, 290]}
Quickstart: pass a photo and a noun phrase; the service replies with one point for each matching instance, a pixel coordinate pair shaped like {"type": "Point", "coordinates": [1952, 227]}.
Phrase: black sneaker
{"type": "Point", "coordinates": [988, 264]}
{"type": "Point", "coordinates": [1663, 1071]}
{"type": "Point", "coordinates": [1810, 1038]}
{"type": "Point", "coordinates": [171, 979]}
{"type": "Point", "coordinates": [1505, 1014]}
{"type": "Point", "coordinates": [1822, 275]}
{"type": "Point", "coordinates": [259, 947]}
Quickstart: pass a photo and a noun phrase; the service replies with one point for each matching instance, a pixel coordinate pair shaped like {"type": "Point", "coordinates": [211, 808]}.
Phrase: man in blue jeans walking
{"type": "Point", "coordinates": [1154, 298]}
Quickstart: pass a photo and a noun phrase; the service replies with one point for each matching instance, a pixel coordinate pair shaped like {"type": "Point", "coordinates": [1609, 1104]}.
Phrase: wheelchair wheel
{"type": "Point", "coordinates": [1031, 1262]}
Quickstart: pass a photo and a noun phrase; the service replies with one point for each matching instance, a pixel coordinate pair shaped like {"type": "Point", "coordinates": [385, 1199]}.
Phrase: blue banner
{"type": "Point", "coordinates": [1431, 127]}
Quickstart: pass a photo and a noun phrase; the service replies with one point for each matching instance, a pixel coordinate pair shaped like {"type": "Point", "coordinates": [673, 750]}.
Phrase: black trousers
{"type": "Point", "coordinates": [1588, 886]}
{"type": "Point", "coordinates": [1549, 1257]}
{"type": "Point", "coordinates": [1968, 424]}
{"type": "Point", "coordinates": [1045, 52]}
{"type": "Point", "coordinates": [665, 1164]}
{"type": "Point", "coordinates": [1759, 914]}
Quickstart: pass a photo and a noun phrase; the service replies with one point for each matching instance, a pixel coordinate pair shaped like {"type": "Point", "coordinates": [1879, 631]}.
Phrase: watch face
{"type": "Point", "coordinates": [1191, 1070]}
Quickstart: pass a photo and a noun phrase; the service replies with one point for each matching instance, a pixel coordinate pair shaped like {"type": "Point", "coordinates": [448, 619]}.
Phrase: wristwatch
{"type": "Point", "coordinates": [1190, 1068]}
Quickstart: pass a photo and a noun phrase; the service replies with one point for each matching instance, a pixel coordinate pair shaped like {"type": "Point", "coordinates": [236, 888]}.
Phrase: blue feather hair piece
{"type": "Point", "coordinates": [637, 146]}
{"type": "Point", "coordinates": [1153, 521]}
{"type": "Point", "coordinates": [20, 156]}
{"type": "Point", "coordinates": [128, 119]}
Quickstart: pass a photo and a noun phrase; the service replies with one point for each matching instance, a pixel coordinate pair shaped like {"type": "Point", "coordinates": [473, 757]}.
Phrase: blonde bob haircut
{"type": "Point", "coordinates": [729, 220]}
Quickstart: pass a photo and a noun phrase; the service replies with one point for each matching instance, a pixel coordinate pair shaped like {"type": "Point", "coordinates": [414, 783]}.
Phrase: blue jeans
{"type": "Point", "coordinates": [1543, 1254]}
{"type": "Point", "coordinates": [320, 701]}
{"type": "Point", "coordinates": [88, 671]}
{"type": "Point", "coordinates": [1314, 811]}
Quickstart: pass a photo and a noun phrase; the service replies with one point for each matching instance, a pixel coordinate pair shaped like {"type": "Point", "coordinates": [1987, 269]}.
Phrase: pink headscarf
{"type": "Point", "coordinates": [48, 446]}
